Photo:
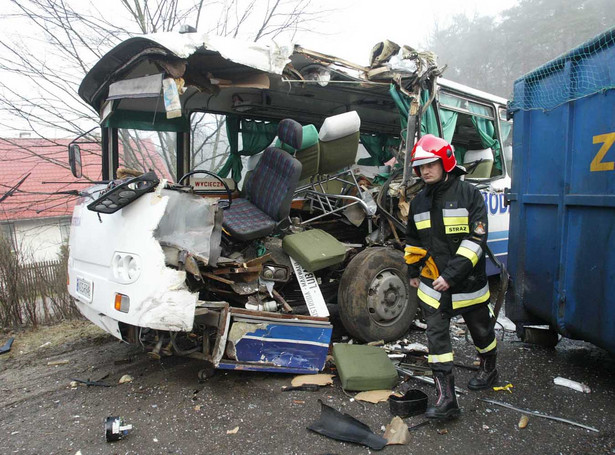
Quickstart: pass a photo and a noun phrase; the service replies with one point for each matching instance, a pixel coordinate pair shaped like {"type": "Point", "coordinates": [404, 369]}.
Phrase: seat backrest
{"type": "Point", "coordinates": [270, 186]}
{"type": "Point", "coordinates": [483, 170]}
{"type": "Point", "coordinates": [309, 153]}
{"type": "Point", "coordinates": [339, 142]}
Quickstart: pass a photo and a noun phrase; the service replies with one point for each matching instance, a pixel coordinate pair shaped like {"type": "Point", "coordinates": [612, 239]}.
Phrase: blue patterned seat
{"type": "Point", "coordinates": [268, 190]}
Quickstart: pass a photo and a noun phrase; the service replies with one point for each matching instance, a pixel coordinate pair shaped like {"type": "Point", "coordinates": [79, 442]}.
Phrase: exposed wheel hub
{"type": "Point", "coordinates": [387, 297]}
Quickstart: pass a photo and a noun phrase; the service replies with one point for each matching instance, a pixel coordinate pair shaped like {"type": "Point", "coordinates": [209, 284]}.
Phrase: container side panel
{"type": "Point", "coordinates": [541, 260]}
{"type": "Point", "coordinates": [590, 275]}
{"type": "Point", "coordinates": [544, 168]}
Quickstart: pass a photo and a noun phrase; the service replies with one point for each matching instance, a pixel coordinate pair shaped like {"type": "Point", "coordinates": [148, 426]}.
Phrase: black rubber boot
{"type": "Point", "coordinates": [446, 406]}
{"type": "Point", "coordinates": [487, 375]}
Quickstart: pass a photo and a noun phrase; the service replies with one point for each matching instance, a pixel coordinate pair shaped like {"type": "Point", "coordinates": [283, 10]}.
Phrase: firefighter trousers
{"type": "Point", "coordinates": [479, 323]}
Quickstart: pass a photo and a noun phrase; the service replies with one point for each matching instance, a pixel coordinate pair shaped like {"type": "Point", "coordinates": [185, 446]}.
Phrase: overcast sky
{"type": "Point", "coordinates": [357, 25]}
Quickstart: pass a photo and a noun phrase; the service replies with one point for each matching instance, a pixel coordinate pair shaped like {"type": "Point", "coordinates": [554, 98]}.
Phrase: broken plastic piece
{"type": "Point", "coordinates": [578, 386]}
{"type": "Point", "coordinates": [523, 421]}
{"type": "Point", "coordinates": [508, 387]}
{"type": "Point", "coordinates": [7, 346]}
{"type": "Point", "coordinates": [344, 427]}
{"type": "Point", "coordinates": [116, 428]}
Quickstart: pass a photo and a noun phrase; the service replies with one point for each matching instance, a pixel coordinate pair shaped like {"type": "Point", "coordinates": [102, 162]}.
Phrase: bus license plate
{"type": "Point", "coordinates": [84, 288]}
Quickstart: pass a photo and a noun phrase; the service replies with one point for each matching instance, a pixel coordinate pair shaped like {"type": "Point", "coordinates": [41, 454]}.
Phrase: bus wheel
{"type": "Point", "coordinates": [375, 299]}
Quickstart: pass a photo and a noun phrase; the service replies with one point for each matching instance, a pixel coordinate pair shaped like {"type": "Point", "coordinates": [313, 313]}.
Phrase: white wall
{"type": "Point", "coordinates": [41, 239]}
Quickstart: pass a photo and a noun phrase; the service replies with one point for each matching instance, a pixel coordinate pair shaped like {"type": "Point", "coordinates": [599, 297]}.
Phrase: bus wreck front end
{"type": "Point", "coordinates": [137, 273]}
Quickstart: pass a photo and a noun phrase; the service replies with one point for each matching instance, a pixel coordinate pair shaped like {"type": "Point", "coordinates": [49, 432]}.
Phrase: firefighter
{"type": "Point", "coordinates": [446, 236]}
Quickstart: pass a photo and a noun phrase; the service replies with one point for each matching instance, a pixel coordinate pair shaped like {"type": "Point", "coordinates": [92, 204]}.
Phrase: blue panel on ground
{"type": "Point", "coordinates": [300, 348]}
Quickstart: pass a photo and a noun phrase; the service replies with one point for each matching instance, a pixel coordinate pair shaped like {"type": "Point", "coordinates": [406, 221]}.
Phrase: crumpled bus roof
{"type": "Point", "coordinates": [261, 81]}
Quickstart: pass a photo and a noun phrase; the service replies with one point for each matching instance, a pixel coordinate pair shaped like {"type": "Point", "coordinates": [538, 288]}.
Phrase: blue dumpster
{"type": "Point", "coordinates": [562, 224]}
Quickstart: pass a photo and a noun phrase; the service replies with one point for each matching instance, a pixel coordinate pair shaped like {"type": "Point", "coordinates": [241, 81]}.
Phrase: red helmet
{"type": "Point", "coordinates": [430, 148]}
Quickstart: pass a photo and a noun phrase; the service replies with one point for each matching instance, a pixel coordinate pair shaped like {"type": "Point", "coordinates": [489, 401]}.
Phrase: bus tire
{"type": "Point", "coordinates": [376, 301]}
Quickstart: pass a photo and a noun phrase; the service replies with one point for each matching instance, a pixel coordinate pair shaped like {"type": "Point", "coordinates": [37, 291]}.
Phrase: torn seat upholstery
{"type": "Point", "coordinates": [268, 189]}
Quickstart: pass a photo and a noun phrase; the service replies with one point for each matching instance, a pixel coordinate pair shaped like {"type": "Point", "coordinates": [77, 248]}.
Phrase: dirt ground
{"type": "Point", "coordinates": [172, 413]}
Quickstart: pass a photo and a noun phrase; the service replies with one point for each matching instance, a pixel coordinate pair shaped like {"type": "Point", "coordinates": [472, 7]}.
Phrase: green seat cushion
{"type": "Point", "coordinates": [314, 249]}
{"type": "Point", "coordinates": [362, 367]}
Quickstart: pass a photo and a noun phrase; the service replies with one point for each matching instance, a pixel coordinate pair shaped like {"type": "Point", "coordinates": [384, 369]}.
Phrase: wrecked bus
{"type": "Point", "coordinates": [184, 263]}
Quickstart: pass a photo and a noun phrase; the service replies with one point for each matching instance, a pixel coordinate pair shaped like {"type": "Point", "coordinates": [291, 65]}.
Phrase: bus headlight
{"type": "Point", "coordinates": [125, 267]}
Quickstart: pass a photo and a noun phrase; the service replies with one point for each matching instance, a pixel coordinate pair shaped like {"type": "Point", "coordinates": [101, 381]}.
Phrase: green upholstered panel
{"type": "Point", "coordinates": [314, 249]}
{"type": "Point", "coordinates": [337, 154]}
{"type": "Point", "coordinates": [364, 367]}
{"type": "Point", "coordinates": [309, 159]}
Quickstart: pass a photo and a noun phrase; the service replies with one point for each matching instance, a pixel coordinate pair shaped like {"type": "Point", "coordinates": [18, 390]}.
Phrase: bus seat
{"type": "Point", "coordinates": [309, 153]}
{"type": "Point", "coordinates": [339, 142]}
{"type": "Point", "coordinates": [483, 170]}
{"type": "Point", "coordinates": [268, 189]}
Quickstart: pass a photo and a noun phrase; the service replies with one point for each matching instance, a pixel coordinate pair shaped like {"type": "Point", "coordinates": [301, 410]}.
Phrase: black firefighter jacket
{"type": "Point", "coordinates": [449, 220]}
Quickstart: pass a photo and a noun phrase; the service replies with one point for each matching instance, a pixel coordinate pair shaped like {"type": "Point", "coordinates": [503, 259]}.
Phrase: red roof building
{"type": "Point", "coordinates": [45, 163]}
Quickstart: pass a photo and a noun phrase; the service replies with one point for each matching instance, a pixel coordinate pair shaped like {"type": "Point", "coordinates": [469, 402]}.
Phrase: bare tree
{"type": "Point", "coordinates": [47, 47]}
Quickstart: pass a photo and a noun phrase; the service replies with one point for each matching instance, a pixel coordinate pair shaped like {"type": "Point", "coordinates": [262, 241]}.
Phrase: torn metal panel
{"type": "Point", "coordinates": [193, 224]}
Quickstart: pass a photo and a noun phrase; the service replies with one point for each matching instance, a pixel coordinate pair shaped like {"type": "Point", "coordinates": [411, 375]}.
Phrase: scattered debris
{"type": "Point", "coordinates": [44, 344]}
{"type": "Point", "coordinates": [508, 387]}
{"type": "Point", "coordinates": [57, 362]}
{"type": "Point", "coordinates": [123, 361]}
{"type": "Point", "coordinates": [397, 432]}
{"type": "Point", "coordinates": [7, 346]}
{"type": "Point", "coordinates": [317, 379]}
{"type": "Point", "coordinates": [233, 431]}
{"type": "Point", "coordinates": [420, 325]}
{"type": "Point", "coordinates": [523, 421]}
{"type": "Point", "coordinates": [116, 428]}
{"type": "Point", "coordinates": [197, 407]}
{"type": "Point", "coordinates": [506, 324]}
{"type": "Point", "coordinates": [539, 414]}
{"type": "Point", "coordinates": [578, 386]}
{"type": "Point", "coordinates": [305, 387]}
{"type": "Point", "coordinates": [344, 427]}
{"type": "Point", "coordinates": [298, 401]}
{"type": "Point", "coordinates": [373, 396]}
{"type": "Point", "coordinates": [485, 427]}
{"type": "Point", "coordinates": [442, 431]}
{"type": "Point", "coordinates": [376, 343]}
{"type": "Point", "coordinates": [89, 383]}
{"type": "Point", "coordinates": [420, 424]}
{"type": "Point", "coordinates": [457, 331]}
{"type": "Point", "coordinates": [126, 378]}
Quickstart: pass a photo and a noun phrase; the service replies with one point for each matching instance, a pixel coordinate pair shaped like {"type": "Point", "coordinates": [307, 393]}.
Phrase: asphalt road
{"type": "Point", "coordinates": [172, 413]}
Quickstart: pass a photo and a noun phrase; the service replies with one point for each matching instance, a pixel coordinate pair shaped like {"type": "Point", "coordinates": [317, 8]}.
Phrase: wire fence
{"type": "Point", "coordinates": [33, 294]}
